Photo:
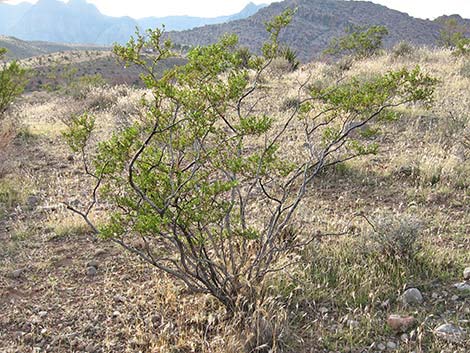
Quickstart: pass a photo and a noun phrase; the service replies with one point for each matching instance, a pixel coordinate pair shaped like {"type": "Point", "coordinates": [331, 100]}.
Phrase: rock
{"type": "Point", "coordinates": [42, 314]}
{"type": "Point", "coordinates": [16, 273]}
{"type": "Point", "coordinates": [454, 298]}
{"type": "Point", "coordinates": [401, 323]}
{"type": "Point", "coordinates": [404, 337]}
{"type": "Point", "coordinates": [450, 333]}
{"type": "Point", "coordinates": [463, 287]}
{"type": "Point", "coordinates": [466, 274]}
{"type": "Point", "coordinates": [391, 345]}
{"type": "Point", "coordinates": [381, 347]}
{"type": "Point", "coordinates": [100, 252]}
{"type": "Point", "coordinates": [412, 296]}
{"type": "Point", "coordinates": [32, 201]}
{"type": "Point", "coordinates": [91, 271]}
{"type": "Point", "coordinates": [323, 310]}
{"type": "Point", "coordinates": [119, 298]}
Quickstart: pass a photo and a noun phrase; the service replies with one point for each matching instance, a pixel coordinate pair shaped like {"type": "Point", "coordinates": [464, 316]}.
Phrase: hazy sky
{"type": "Point", "coordinates": [211, 8]}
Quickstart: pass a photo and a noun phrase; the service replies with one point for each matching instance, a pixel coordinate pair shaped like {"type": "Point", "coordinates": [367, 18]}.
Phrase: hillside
{"type": "Point", "coordinates": [315, 24]}
{"type": "Point", "coordinates": [21, 49]}
{"type": "Point", "coordinates": [78, 21]}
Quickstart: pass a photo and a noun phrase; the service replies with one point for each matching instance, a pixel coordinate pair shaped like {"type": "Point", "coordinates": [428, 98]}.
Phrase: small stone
{"type": "Point", "coordinates": [450, 333]}
{"type": "Point", "coordinates": [16, 273]}
{"type": "Point", "coordinates": [400, 323]}
{"type": "Point", "coordinates": [412, 296]}
{"type": "Point", "coordinates": [381, 347]}
{"type": "Point", "coordinates": [91, 271]}
{"type": "Point", "coordinates": [43, 331]}
{"type": "Point", "coordinates": [119, 298]}
{"type": "Point", "coordinates": [116, 313]}
{"type": "Point", "coordinates": [42, 314]}
{"type": "Point", "coordinates": [404, 337]}
{"type": "Point", "coordinates": [323, 310]}
{"type": "Point", "coordinates": [391, 345]}
{"type": "Point", "coordinates": [454, 298]}
{"type": "Point", "coordinates": [100, 252]}
{"type": "Point", "coordinates": [463, 287]}
{"type": "Point", "coordinates": [32, 201]}
{"type": "Point", "coordinates": [466, 274]}
{"type": "Point", "coordinates": [434, 295]}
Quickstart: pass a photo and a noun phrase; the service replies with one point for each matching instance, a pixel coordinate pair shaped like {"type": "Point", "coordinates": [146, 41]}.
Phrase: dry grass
{"type": "Point", "coordinates": [331, 300]}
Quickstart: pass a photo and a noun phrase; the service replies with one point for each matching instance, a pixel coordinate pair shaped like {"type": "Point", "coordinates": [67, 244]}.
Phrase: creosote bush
{"type": "Point", "coordinates": [12, 82]}
{"type": "Point", "coordinates": [359, 42]}
{"type": "Point", "coordinates": [202, 180]}
{"type": "Point", "coordinates": [453, 36]}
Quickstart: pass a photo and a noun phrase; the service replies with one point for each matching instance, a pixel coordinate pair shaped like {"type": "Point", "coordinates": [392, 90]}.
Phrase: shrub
{"type": "Point", "coordinates": [396, 238]}
{"type": "Point", "coordinates": [453, 36]}
{"type": "Point", "coordinates": [402, 49]}
{"type": "Point", "coordinates": [291, 57]}
{"type": "Point", "coordinates": [12, 82]}
{"type": "Point", "coordinates": [202, 179]}
{"type": "Point", "coordinates": [359, 42]}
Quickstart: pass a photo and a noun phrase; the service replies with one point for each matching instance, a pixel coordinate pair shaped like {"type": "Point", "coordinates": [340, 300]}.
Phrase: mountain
{"type": "Point", "coordinates": [78, 21]}
{"type": "Point", "coordinates": [11, 14]}
{"type": "Point", "coordinates": [180, 23]}
{"type": "Point", "coordinates": [20, 49]}
{"type": "Point", "coordinates": [315, 24]}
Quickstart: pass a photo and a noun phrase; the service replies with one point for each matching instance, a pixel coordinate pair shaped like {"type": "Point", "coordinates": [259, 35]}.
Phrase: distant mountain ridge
{"type": "Point", "coordinates": [315, 23]}
{"type": "Point", "coordinates": [78, 21]}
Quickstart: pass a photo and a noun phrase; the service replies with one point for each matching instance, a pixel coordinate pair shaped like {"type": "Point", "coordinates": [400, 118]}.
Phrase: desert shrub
{"type": "Point", "coordinates": [80, 86]}
{"type": "Point", "coordinates": [402, 49]}
{"type": "Point", "coordinates": [453, 35]}
{"type": "Point", "coordinates": [395, 237]}
{"type": "Point", "coordinates": [291, 57]}
{"type": "Point", "coordinates": [202, 178]}
{"type": "Point", "coordinates": [12, 82]}
{"type": "Point", "coordinates": [289, 103]}
{"type": "Point", "coordinates": [359, 42]}
{"type": "Point", "coordinates": [345, 63]}
{"type": "Point", "coordinates": [245, 56]}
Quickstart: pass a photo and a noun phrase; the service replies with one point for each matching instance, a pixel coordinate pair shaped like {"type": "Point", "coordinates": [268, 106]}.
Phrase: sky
{"type": "Point", "coordinates": [211, 8]}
